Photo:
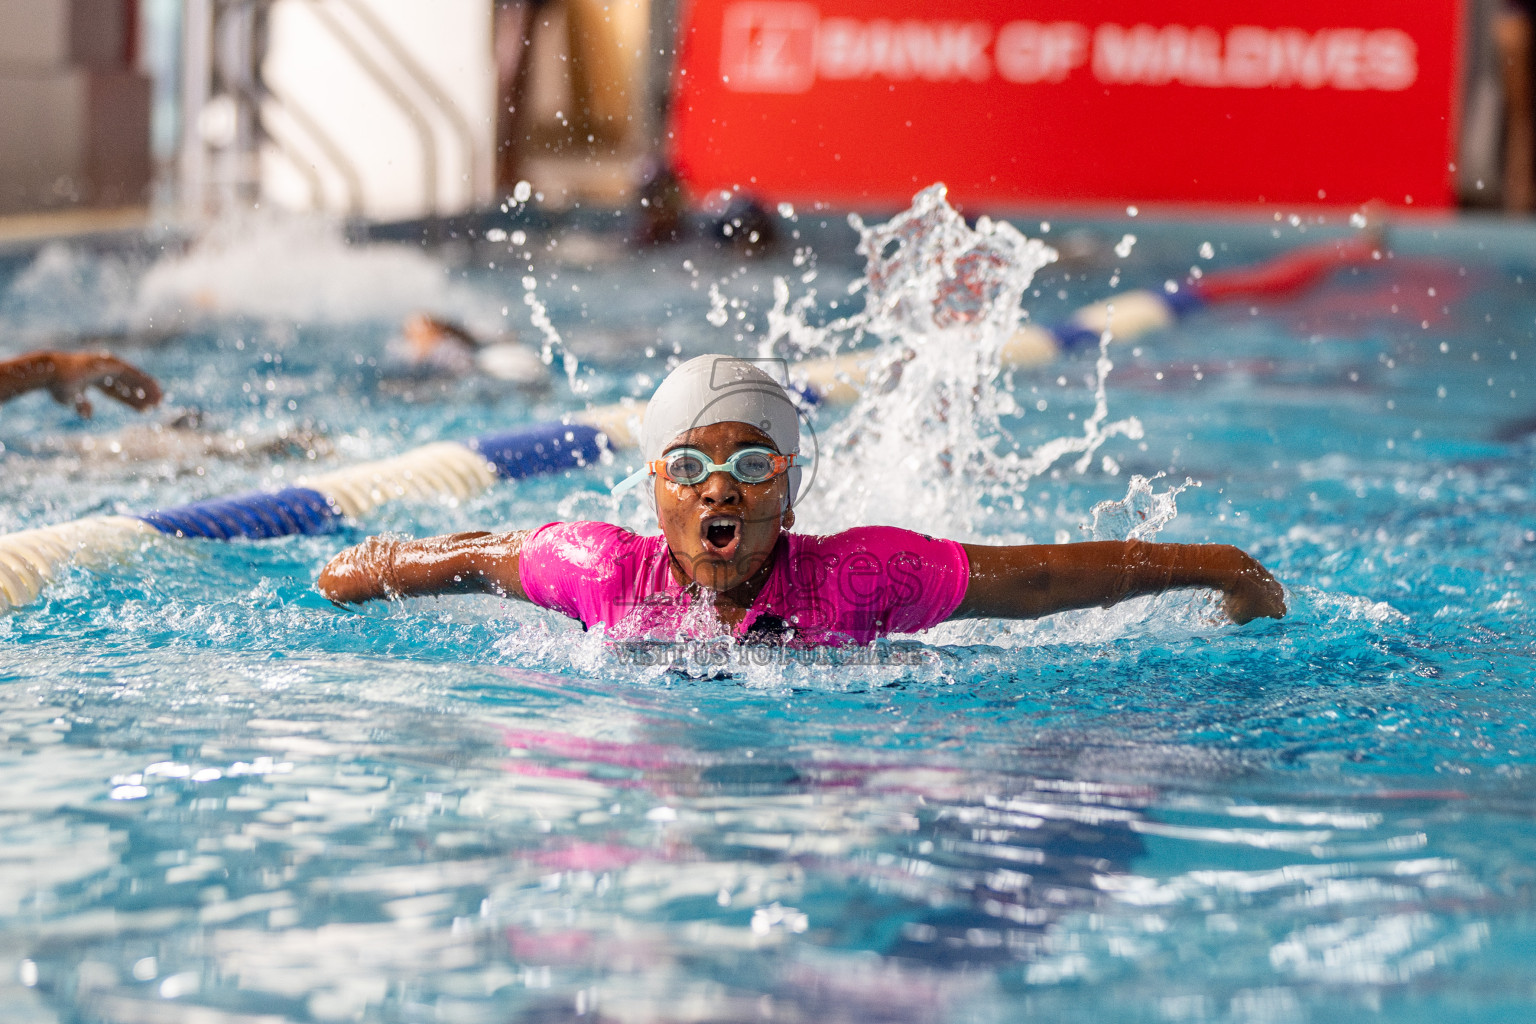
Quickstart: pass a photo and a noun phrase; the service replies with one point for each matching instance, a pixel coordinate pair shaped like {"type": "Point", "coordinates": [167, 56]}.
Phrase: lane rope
{"type": "Point", "coordinates": [30, 559]}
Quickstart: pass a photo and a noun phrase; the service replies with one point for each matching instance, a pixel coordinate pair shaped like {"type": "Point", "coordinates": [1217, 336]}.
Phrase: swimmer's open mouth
{"type": "Point", "coordinates": [722, 535]}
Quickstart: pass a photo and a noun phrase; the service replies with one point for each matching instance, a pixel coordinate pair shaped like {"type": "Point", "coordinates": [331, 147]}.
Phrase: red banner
{"type": "Point", "coordinates": [866, 101]}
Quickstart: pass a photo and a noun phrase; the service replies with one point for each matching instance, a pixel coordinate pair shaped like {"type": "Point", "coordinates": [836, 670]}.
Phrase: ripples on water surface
{"type": "Point", "coordinates": [227, 801]}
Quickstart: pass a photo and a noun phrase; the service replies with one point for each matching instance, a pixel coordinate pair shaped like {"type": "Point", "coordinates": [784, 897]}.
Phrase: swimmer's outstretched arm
{"type": "Point", "coordinates": [1028, 581]}
{"type": "Point", "coordinates": [66, 375]}
{"type": "Point", "coordinates": [460, 563]}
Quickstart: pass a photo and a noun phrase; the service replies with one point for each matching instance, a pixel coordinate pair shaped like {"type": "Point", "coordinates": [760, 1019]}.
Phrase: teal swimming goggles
{"type": "Point", "coordinates": [689, 466]}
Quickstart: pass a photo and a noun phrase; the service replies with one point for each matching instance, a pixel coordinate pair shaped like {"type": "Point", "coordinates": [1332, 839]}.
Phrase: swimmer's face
{"type": "Point", "coordinates": [421, 334]}
{"type": "Point", "coordinates": [722, 531]}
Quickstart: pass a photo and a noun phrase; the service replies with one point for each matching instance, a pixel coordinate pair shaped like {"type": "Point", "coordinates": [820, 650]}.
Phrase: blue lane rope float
{"type": "Point", "coordinates": [546, 449]}
{"type": "Point", "coordinates": [258, 516]}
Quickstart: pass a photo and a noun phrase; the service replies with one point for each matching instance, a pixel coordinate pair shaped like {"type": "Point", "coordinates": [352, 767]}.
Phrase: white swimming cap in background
{"type": "Point", "coordinates": [720, 389]}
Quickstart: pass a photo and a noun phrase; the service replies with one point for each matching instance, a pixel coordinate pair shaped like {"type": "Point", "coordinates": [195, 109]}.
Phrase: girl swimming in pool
{"type": "Point", "coordinates": [723, 468]}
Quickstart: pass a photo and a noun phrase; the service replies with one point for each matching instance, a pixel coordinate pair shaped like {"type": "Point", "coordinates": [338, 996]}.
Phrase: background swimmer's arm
{"type": "Point", "coordinates": [66, 375]}
{"type": "Point", "coordinates": [1028, 581]}
{"type": "Point", "coordinates": [460, 563]}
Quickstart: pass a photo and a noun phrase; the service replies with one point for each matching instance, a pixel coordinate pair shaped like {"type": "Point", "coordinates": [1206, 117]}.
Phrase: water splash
{"type": "Point", "coordinates": [551, 343]}
{"type": "Point", "coordinates": [1140, 515]}
{"type": "Point", "coordinates": [925, 445]}
{"type": "Point", "coordinates": [66, 289]}
{"type": "Point", "coordinates": [295, 268]}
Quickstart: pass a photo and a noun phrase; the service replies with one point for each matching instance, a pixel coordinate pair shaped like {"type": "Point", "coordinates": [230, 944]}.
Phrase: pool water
{"type": "Point", "coordinates": [229, 801]}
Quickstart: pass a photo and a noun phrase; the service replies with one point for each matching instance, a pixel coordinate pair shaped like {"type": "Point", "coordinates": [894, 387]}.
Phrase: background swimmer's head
{"type": "Point", "coordinates": [712, 389]}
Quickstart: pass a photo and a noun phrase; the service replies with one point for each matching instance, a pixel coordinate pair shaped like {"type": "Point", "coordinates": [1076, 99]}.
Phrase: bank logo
{"type": "Point", "coordinates": [785, 47]}
{"type": "Point", "coordinates": [769, 47]}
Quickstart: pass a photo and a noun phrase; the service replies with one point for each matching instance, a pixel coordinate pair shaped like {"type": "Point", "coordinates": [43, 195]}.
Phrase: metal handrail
{"type": "Point", "coordinates": [252, 97]}
{"type": "Point", "coordinates": [419, 123]}
{"type": "Point", "coordinates": [351, 179]}
{"type": "Point", "coordinates": [379, 54]}
{"type": "Point", "coordinates": [306, 170]}
{"type": "Point", "coordinates": [426, 83]}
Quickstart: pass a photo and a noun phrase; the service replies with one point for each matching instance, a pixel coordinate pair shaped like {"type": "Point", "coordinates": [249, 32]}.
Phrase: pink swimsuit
{"type": "Point", "coordinates": [853, 586]}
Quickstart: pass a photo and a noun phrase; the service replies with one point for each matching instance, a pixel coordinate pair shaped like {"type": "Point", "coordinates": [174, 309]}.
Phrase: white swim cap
{"type": "Point", "coordinates": [721, 389]}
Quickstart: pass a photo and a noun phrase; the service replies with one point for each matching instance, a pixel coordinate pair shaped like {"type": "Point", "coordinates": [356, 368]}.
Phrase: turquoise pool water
{"type": "Point", "coordinates": [229, 801]}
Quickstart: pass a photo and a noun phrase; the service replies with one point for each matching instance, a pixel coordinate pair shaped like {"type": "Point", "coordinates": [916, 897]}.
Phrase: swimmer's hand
{"type": "Point", "coordinates": [361, 573]}
{"type": "Point", "coordinates": [73, 372]}
{"type": "Point", "coordinates": [1251, 592]}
